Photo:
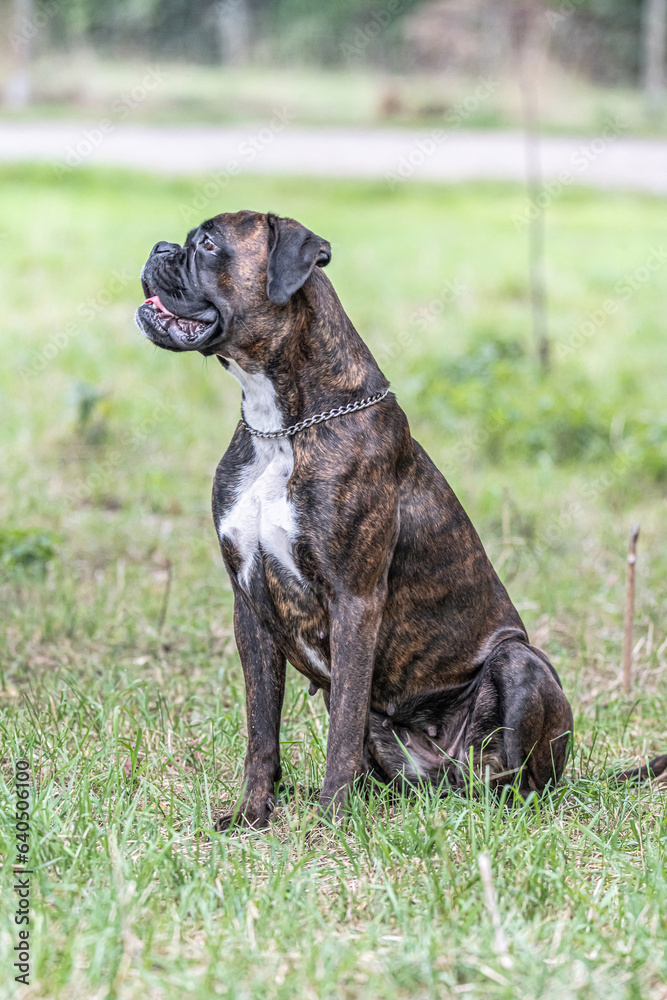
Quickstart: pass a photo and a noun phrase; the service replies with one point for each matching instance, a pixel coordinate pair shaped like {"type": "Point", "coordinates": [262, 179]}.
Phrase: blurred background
{"type": "Point", "coordinates": [492, 178]}
{"type": "Point", "coordinates": [349, 62]}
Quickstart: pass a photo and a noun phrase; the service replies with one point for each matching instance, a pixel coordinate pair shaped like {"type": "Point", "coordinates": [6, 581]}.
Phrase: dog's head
{"type": "Point", "coordinates": [235, 271]}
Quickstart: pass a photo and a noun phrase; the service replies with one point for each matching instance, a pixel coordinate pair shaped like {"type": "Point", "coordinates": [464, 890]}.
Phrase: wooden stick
{"type": "Point", "coordinates": [165, 597]}
{"type": "Point", "coordinates": [630, 607]}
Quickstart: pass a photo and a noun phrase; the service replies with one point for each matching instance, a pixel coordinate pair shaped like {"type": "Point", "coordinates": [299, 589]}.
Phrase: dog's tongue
{"type": "Point", "coordinates": [155, 299]}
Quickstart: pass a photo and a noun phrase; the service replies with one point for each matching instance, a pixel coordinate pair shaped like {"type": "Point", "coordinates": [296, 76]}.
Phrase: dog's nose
{"type": "Point", "coordinates": [164, 247]}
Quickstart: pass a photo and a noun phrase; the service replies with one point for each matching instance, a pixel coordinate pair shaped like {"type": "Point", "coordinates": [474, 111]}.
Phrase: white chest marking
{"type": "Point", "coordinates": [262, 518]}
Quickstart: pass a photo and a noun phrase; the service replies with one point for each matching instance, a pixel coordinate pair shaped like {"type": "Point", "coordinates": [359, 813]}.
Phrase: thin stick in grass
{"type": "Point", "coordinates": [630, 607]}
{"type": "Point", "coordinates": [165, 598]}
{"type": "Point", "coordinates": [502, 950]}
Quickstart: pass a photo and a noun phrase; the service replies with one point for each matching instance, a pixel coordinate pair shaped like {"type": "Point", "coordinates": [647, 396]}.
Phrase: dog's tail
{"type": "Point", "coordinates": [652, 769]}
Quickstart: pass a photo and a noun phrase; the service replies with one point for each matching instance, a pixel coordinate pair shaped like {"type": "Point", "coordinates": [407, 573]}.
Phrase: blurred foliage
{"type": "Point", "coordinates": [26, 549]}
{"type": "Point", "coordinates": [602, 36]}
{"type": "Point", "coordinates": [287, 29]}
{"type": "Point", "coordinates": [88, 401]}
{"type": "Point", "coordinates": [495, 396]}
{"type": "Point", "coordinates": [335, 33]}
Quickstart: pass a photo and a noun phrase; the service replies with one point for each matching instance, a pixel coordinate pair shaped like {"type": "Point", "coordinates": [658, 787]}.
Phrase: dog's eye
{"type": "Point", "coordinates": [208, 245]}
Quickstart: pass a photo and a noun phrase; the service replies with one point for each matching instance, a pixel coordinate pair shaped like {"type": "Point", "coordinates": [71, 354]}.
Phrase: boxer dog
{"type": "Point", "coordinates": [348, 552]}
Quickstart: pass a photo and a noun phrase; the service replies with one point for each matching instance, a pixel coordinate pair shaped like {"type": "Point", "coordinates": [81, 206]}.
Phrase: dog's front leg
{"type": "Point", "coordinates": [354, 625]}
{"type": "Point", "coordinates": [264, 674]}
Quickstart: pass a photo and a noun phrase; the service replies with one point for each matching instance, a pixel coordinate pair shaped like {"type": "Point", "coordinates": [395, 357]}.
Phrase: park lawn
{"type": "Point", "coordinates": [119, 678]}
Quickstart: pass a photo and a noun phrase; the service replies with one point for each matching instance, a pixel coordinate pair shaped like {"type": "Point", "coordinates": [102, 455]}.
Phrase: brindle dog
{"type": "Point", "coordinates": [348, 552]}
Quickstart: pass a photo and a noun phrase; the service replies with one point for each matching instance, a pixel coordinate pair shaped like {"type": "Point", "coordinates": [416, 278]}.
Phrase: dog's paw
{"type": "Point", "coordinates": [332, 806]}
{"type": "Point", "coordinates": [245, 818]}
{"type": "Point", "coordinates": [335, 795]}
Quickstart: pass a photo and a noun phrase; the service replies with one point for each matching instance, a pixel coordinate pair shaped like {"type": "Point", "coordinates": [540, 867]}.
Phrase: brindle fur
{"type": "Point", "coordinates": [429, 659]}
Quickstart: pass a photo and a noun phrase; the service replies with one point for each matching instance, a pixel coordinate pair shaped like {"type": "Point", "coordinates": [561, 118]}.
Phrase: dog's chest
{"type": "Point", "coordinates": [262, 521]}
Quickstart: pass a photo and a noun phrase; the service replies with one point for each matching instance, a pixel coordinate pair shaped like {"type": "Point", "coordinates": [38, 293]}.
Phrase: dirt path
{"type": "Point", "coordinates": [606, 161]}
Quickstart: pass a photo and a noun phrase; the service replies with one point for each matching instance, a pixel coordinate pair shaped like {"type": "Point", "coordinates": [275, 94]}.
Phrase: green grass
{"type": "Point", "coordinates": [118, 673]}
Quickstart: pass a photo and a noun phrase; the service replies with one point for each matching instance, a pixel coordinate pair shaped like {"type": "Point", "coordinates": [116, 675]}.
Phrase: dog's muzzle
{"type": "Point", "coordinates": [176, 321]}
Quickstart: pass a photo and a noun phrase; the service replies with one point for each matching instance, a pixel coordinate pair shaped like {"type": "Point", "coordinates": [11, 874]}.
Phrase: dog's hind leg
{"type": "Point", "coordinates": [514, 726]}
{"type": "Point", "coordinates": [521, 721]}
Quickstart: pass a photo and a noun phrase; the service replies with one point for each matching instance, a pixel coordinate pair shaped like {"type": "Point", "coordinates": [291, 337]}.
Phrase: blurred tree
{"type": "Point", "coordinates": [530, 38]}
{"type": "Point", "coordinates": [232, 19]}
{"type": "Point", "coordinates": [18, 85]}
{"type": "Point", "coordinates": [655, 20]}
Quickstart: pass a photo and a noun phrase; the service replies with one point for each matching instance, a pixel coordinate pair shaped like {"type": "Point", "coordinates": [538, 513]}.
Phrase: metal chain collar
{"type": "Point", "coordinates": [319, 418]}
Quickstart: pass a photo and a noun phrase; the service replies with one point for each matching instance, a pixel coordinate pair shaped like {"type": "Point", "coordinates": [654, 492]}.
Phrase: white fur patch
{"type": "Point", "coordinates": [314, 658]}
{"type": "Point", "coordinates": [262, 518]}
{"type": "Point", "coordinates": [454, 749]}
{"type": "Point", "coordinates": [416, 766]}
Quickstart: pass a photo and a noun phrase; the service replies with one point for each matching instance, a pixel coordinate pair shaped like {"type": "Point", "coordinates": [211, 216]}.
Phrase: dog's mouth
{"type": "Point", "coordinates": [173, 332]}
{"type": "Point", "coordinates": [190, 330]}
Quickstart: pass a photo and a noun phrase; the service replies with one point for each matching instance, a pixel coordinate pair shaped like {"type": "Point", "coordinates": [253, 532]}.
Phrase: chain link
{"type": "Point", "coordinates": [360, 404]}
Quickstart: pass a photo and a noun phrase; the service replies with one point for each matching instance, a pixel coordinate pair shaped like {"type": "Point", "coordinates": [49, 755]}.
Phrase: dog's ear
{"type": "Point", "coordinates": [293, 253]}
